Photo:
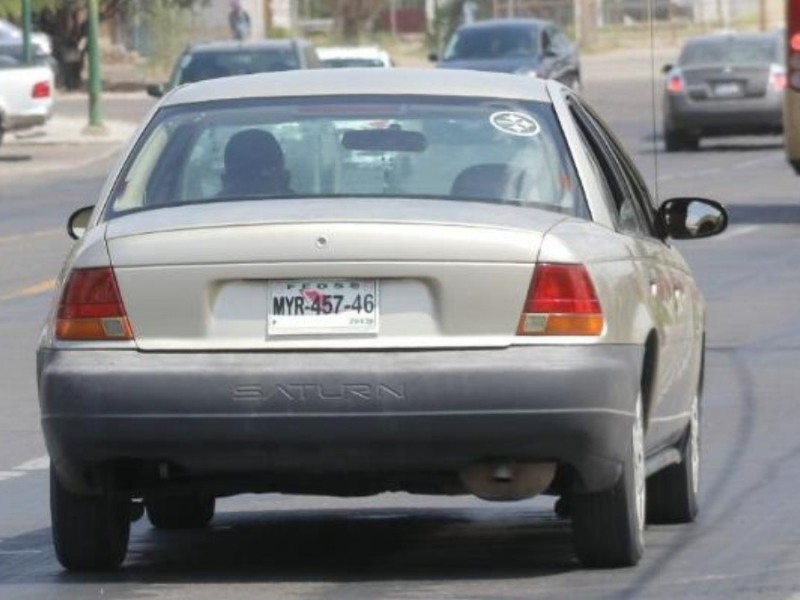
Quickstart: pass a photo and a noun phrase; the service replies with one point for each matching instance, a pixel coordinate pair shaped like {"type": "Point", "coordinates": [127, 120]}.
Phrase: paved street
{"type": "Point", "coordinates": [746, 543]}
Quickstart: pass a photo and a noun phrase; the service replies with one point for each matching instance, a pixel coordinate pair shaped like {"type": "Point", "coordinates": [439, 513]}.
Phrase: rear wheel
{"type": "Point", "coordinates": [180, 511]}
{"type": "Point", "coordinates": [672, 493]}
{"type": "Point", "coordinates": [608, 527]}
{"type": "Point", "coordinates": [675, 140]}
{"type": "Point", "coordinates": [90, 533]}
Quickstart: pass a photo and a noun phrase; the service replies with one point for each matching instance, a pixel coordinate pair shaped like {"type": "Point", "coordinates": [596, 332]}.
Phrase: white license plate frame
{"type": "Point", "coordinates": [298, 307]}
{"type": "Point", "coordinates": [728, 90]}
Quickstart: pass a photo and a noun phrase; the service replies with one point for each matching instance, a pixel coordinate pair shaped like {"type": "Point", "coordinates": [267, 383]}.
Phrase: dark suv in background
{"type": "Point", "coordinates": [524, 46]}
{"type": "Point", "coordinates": [212, 60]}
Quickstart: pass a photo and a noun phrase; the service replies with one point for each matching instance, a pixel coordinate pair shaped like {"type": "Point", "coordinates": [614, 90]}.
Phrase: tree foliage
{"type": "Point", "coordinates": [353, 18]}
{"type": "Point", "coordinates": [66, 22]}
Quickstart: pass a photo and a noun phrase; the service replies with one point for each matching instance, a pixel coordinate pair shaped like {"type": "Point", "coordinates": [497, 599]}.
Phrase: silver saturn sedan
{"type": "Point", "coordinates": [440, 282]}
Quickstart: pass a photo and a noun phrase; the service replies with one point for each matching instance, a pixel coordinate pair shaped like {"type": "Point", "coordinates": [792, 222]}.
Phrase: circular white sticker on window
{"type": "Point", "coordinates": [515, 123]}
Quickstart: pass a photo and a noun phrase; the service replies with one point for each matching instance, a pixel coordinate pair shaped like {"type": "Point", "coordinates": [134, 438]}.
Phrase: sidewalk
{"type": "Point", "coordinates": [62, 145]}
{"type": "Point", "coordinates": [72, 131]}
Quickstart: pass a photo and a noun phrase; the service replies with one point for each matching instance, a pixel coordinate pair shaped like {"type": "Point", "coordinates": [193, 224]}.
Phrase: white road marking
{"type": "Point", "coordinates": [35, 464]}
{"type": "Point", "coordinates": [736, 232]}
{"type": "Point", "coordinates": [6, 475]}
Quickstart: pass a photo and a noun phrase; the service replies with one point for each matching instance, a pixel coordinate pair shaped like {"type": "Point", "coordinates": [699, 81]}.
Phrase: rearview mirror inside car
{"type": "Point", "coordinates": [78, 222]}
{"type": "Point", "coordinates": [691, 218]}
{"type": "Point", "coordinates": [384, 140]}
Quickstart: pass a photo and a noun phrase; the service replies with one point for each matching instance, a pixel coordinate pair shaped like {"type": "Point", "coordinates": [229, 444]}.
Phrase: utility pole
{"type": "Point", "coordinates": [95, 84]}
{"type": "Point", "coordinates": [27, 46]}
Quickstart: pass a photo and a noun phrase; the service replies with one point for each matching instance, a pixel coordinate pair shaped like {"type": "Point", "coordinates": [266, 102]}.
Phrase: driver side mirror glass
{"type": "Point", "coordinates": [691, 218]}
{"type": "Point", "coordinates": [78, 222]}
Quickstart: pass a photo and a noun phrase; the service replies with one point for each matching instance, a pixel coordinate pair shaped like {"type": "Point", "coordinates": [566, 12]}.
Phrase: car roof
{"type": "Point", "coordinates": [506, 24]}
{"type": "Point", "coordinates": [733, 36]}
{"type": "Point", "coordinates": [234, 46]}
{"type": "Point", "coordinates": [365, 81]}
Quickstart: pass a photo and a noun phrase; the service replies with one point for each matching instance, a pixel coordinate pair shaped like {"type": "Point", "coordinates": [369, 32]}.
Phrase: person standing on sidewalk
{"type": "Point", "coordinates": [239, 21]}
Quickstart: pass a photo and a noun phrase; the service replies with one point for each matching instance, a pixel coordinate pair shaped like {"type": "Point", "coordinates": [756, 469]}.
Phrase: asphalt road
{"type": "Point", "coordinates": [745, 544]}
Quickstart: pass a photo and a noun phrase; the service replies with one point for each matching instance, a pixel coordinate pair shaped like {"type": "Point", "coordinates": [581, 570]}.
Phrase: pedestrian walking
{"type": "Point", "coordinates": [239, 21]}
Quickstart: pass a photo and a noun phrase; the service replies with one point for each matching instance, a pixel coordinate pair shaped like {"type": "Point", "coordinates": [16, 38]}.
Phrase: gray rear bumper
{"type": "Point", "coordinates": [726, 117]}
{"type": "Point", "coordinates": [346, 412]}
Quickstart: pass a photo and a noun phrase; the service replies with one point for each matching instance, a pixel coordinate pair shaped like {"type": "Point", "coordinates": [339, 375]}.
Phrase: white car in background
{"type": "Point", "coordinates": [26, 95]}
{"type": "Point", "coordinates": [354, 56]}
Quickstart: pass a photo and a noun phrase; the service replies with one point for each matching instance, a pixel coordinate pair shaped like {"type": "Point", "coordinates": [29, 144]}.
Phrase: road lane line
{"type": "Point", "coordinates": [6, 475]}
{"type": "Point", "coordinates": [744, 230]}
{"type": "Point", "coordinates": [35, 464]}
{"type": "Point", "coordinates": [32, 290]}
{"type": "Point", "coordinates": [10, 239]}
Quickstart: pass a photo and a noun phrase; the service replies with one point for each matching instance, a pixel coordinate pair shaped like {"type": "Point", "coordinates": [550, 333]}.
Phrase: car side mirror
{"type": "Point", "coordinates": [666, 68]}
{"type": "Point", "coordinates": [78, 222]}
{"type": "Point", "coordinates": [433, 57]}
{"type": "Point", "coordinates": [156, 90]}
{"type": "Point", "coordinates": [691, 218]}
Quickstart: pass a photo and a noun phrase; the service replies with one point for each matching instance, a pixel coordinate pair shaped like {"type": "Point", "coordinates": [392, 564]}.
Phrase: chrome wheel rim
{"type": "Point", "coordinates": [694, 445]}
{"type": "Point", "coordinates": [638, 470]}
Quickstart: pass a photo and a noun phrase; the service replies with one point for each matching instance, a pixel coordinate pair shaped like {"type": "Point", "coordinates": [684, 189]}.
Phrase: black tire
{"type": "Point", "coordinates": [608, 527]}
{"type": "Point", "coordinates": [180, 511]}
{"type": "Point", "coordinates": [676, 140]}
{"type": "Point", "coordinates": [672, 492]}
{"type": "Point", "coordinates": [90, 533]}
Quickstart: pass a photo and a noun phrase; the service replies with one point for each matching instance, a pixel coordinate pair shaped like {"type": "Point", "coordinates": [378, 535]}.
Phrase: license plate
{"type": "Point", "coordinates": [322, 306]}
{"type": "Point", "coordinates": [727, 90]}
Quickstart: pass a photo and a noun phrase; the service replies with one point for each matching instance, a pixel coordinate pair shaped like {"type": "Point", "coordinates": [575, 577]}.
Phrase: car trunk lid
{"type": "Point", "coordinates": [443, 273]}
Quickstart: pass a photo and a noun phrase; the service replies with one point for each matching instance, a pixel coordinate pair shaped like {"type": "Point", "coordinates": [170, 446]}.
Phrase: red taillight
{"type": "Point", "coordinates": [91, 307]}
{"type": "Point", "coordinates": [41, 90]}
{"type": "Point", "coordinates": [794, 42]}
{"type": "Point", "coordinates": [561, 301]}
{"type": "Point", "coordinates": [675, 84]}
{"type": "Point", "coordinates": [777, 81]}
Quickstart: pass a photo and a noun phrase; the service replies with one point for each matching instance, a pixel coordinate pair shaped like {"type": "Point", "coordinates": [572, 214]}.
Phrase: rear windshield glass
{"type": "Point", "coordinates": [211, 65]}
{"type": "Point", "coordinates": [732, 51]}
{"type": "Point", "coordinates": [500, 42]}
{"type": "Point", "coordinates": [484, 150]}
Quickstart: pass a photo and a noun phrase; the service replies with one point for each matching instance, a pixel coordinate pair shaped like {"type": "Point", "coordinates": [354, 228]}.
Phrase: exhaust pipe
{"type": "Point", "coordinates": [506, 480]}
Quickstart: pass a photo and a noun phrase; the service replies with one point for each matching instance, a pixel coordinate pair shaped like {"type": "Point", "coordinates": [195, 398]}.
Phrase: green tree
{"type": "Point", "coordinates": [354, 18]}
{"type": "Point", "coordinates": [65, 21]}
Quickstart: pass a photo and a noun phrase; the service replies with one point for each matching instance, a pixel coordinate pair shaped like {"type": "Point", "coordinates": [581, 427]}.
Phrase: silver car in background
{"type": "Point", "coordinates": [723, 85]}
{"type": "Point", "coordinates": [491, 306]}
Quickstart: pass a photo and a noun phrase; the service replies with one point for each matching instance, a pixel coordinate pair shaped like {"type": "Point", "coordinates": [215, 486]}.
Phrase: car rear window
{"type": "Point", "coordinates": [495, 42]}
{"type": "Point", "coordinates": [204, 65]}
{"type": "Point", "coordinates": [464, 149]}
{"type": "Point", "coordinates": [730, 50]}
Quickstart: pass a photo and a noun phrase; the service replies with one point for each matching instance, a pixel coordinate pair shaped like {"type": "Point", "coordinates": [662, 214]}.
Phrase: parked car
{"type": "Point", "coordinates": [26, 95]}
{"type": "Point", "coordinates": [212, 60]}
{"type": "Point", "coordinates": [791, 129]}
{"type": "Point", "coordinates": [528, 47]}
{"type": "Point", "coordinates": [11, 35]}
{"type": "Point", "coordinates": [503, 315]}
{"type": "Point", "coordinates": [724, 84]}
{"type": "Point", "coordinates": [354, 56]}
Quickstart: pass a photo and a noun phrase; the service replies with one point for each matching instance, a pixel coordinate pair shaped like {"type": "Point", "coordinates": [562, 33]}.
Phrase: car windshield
{"type": "Point", "coordinates": [199, 66]}
{"type": "Point", "coordinates": [352, 62]}
{"type": "Point", "coordinates": [465, 149]}
{"type": "Point", "coordinates": [496, 42]}
{"type": "Point", "coordinates": [730, 50]}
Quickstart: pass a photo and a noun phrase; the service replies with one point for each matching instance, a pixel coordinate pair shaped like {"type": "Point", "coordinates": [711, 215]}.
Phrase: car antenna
{"type": "Point", "coordinates": [653, 92]}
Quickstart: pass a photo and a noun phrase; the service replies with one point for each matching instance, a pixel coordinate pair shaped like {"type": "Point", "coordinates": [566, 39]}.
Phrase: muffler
{"type": "Point", "coordinates": [506, 480]}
